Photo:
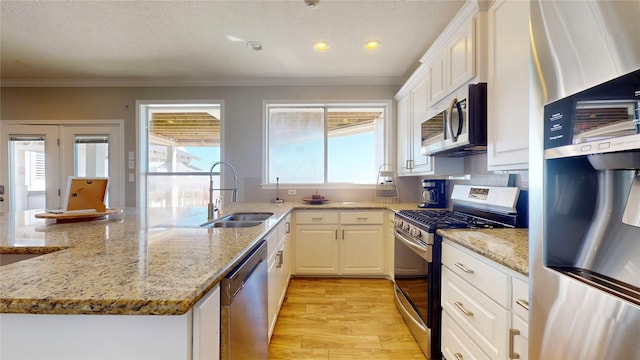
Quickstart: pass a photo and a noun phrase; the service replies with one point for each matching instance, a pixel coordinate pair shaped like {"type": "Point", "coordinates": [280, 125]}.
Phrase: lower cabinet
{"type": "Point", "coordinates": [485, 307]}
{"type": "Point", "coordinates": [194, 335]}
{"type": "Point", "coordinates": [279, 269]}
{"type": "Point", "coordinates": [339, 243]}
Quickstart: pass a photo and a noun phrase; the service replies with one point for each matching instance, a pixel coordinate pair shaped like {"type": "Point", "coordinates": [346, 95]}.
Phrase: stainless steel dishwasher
{"type": "Point", "coordinates": [243, 302]}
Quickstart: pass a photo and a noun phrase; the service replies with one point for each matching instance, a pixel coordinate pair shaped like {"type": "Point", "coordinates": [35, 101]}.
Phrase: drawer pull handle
{"type": "Point", "coordinates": [523, 303]}
{"type": "Point", "coordinates": [463, 309]}
{"type": "Point", "coordinates": [317, 219]}
{"type": "Point", "coordinates": [512, 335]}
{"type": "Point", "coordinates": [464, 268]}
{"type": "Point", "coordinates": [458, 356]}
{"type": "Point", "coordinates": [363, 219]}
{"type": "Point", "coordinates": [280, 256]}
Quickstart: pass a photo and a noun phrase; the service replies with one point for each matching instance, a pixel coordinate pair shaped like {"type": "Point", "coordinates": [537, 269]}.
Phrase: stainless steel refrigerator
{"type": "Point", "coordinates": [584, 181]}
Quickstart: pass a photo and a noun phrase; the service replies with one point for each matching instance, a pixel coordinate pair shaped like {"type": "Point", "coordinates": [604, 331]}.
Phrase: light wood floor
{"type": "Point", "coordinates": [341, 319]}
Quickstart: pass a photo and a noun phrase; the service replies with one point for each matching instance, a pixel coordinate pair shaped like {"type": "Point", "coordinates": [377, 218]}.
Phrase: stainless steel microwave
{"type": "Point", "coordinates": [461, 128]}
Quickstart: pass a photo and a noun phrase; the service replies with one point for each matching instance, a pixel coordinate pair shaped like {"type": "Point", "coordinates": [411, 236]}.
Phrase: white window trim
{"type": "Point", "coordinates": [388, 147]}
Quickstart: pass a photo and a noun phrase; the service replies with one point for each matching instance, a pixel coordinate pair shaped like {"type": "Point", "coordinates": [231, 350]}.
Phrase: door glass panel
{"type": "Point", "coordinates": [91, 157]}
{"type": "Point", "coordinates": [27, 172]}
{"type": "Point", "coordinates": [91, 154]}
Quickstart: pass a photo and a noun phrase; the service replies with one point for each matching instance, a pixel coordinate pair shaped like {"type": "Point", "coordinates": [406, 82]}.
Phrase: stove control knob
{"type": "Point", "coordinates": [406, 227]}
{"type": "Point", "coordinates": [416, 232]}
{"type": "Point", "coordinates": [398, 223]}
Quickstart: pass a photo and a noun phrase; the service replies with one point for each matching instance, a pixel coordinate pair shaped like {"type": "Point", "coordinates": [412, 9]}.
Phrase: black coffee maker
{"type": "Point", "coordinates": [434, 194]}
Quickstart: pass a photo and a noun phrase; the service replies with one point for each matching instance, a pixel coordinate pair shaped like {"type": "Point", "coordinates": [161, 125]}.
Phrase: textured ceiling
{"type": "Point", "coordinates": [203, 42]}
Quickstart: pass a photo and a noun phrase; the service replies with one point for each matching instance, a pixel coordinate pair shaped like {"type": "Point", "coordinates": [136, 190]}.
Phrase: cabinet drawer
{"type": "Point", "coordinates": [362, 217]}
{"type": "Point", "coordinates": [485, 321]}
{"type": "Point", "coordinates": [456, 344]}
{"type": "Point", "coordinates": [520, 298]}
{"type": "Point", "coordinates": [272, 243]}
{"type": "Point", "coordinates": [317, 217]}
{"type": "Point", "coordinates": [488, 279]}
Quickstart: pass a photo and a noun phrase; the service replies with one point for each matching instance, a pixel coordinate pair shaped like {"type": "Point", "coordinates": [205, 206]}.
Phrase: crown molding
{"type": "Point", "coordinates": [302, 81]}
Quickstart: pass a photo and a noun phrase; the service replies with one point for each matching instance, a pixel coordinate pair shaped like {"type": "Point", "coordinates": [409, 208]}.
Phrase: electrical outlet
{"type": "Point", "coordinates": [291, 192]}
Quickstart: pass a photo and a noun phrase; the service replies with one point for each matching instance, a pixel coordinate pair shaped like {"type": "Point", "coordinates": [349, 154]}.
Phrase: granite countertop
{"type": "Point", "coordinates": [508, 247]}
{"type": "Point", "coordinates": [130, 263]}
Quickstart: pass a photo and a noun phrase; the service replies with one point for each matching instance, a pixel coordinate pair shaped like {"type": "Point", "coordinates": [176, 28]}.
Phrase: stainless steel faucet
{"type": "Point", "coordinates": [210, 208]}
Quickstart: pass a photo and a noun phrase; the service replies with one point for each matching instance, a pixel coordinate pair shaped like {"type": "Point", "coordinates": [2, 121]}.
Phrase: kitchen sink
{"type": "Point", "coordinates": [246, 216]}
{"type": "Point", "coordinates": [239, 220]}
{"type": "Point", "coordinates": [233, 224]}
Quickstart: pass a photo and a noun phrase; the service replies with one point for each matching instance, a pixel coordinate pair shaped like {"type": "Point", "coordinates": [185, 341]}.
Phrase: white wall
{"type": "Point", "coordinates": [243, 117]}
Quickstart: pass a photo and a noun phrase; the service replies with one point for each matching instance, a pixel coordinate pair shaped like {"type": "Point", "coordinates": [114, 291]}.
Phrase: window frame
{"type": "Point", "coordinates": [388, 138]}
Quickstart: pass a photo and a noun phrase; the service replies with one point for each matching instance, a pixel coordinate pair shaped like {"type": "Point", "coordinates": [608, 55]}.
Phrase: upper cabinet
{"type": "Point", "coordinates": [455, 59]}
{"type": "Point", "coordinates": [454, 64]}
{"type": "Point", "coordinates": [508, 86]}
{"type": "Point", "coordinates": [412, 105]}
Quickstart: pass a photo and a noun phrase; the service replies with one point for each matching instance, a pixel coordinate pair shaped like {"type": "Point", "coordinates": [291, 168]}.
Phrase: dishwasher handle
{"type": "Point", "coordinates": [233, 283]}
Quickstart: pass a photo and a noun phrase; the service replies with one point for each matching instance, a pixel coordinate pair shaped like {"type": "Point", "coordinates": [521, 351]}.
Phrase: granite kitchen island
{"type": "Point", "coordinates": [127, 281]}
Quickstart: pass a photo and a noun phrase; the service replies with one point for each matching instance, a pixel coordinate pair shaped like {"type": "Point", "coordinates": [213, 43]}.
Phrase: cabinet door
{"type": "Point", "coordinates": [316, 249]}
{"type": "Point", "coordinates": [404, 136]}
{"type": "Point", "coordinates": [519, 338]}
{"type": "Point", "coordinates": [436, 74]}
{"type": "Point", "coordinates": [421, 162]}
{"type": "Point", "coordinates": [273, 290]}
{"type": "Point", "coordinates": [206, 326]}
{"type": "Point", "coordinates": [460, 57]}
{"type": "Point", "coordinates": [508, 92]}
{"type": "Point", "coordinates": [361, 250]}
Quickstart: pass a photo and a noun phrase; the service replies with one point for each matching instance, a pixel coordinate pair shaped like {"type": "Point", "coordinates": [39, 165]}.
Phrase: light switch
{"type": "Point", "coordinates": [131, 164]}
{"type": "Point", "coordinates": [132, 177]}
{"type": "Point", "coordinates": [131, 155]}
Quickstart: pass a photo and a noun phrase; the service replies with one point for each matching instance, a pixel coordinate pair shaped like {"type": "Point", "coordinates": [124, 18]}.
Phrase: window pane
{"type": "Point", "coordinates": [182, 141]}
{"type": "Point", "coordinates": [180, 190]}
{"type": "Point", "coordinates": [352, 156]}
{"type": "Point", "coordinates": [296, 145]}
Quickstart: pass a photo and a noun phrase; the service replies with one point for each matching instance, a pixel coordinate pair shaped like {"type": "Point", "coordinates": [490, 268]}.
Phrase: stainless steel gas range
{"type": "Point", "coordinates": [418, 252]}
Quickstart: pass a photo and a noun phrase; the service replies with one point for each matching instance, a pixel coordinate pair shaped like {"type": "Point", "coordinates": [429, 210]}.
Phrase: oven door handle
{"type": "Point", "coordinates": [423, 249]}
{"type": "Point", "coordinates": [417, 323]}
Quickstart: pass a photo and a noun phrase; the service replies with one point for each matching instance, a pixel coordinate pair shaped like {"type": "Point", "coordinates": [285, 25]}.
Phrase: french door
{"type": "Point", "coordinates": [37, 159]}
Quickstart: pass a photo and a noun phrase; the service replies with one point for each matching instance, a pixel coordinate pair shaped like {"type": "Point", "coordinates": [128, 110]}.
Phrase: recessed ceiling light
{"type": "Point", "coordinates": [372, 44]}
{"type": "Point", "coordinates": [321, 46]}
{"type": "Point", "coordinates": [254, 45]}
{"type": "Point", "coordinates": [312, 4]}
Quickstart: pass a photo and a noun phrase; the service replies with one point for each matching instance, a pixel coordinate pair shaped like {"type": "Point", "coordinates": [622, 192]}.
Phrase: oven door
{"type": "Point", "coordinates": [412, 265]}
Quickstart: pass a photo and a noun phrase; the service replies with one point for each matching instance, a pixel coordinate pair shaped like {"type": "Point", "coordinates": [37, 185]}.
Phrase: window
{"type": "Point", "coordinates": [183, 141]}
{"type": "Point", "coordinates": [324, 144]}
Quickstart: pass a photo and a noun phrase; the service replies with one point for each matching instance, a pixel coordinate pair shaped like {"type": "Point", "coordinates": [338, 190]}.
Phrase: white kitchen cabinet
{"type": "Point", "coordinates": [361, 250]}
{"type": "Point", "coordinates": [484, 307]}
{"type": "Point", "coordinates": [339, 243]}
{"type": "Point", "coordinates": [508, 86]}
{"type": "Point", "coordinates": [404, 140]}
{"type": "Point", "coordinates": [412, 108]}
{"type": "Point", "coordinates": [206, 326]}
{"type": "Point", "coordinates": [278, 269]}
{"type": "Point", "coordinates": [437, 76]}
{"type": "Point", "coordinates": [453, 64]}
{"type": "Point", "coordinates": [316, 242]}
{"type": "Point", "coordinates": [194, 335]}
{"type": "Point", "coordinates": [519, 332]}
